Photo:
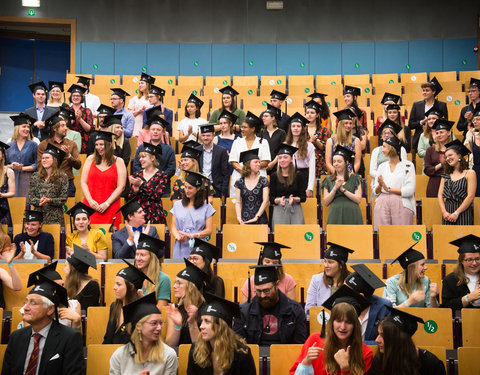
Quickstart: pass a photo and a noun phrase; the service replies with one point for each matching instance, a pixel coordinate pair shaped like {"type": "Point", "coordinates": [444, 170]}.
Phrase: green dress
{"type": "Point", "coordinates": [216, 114]}
{"type": "Point", "coordinates": [343, 210]}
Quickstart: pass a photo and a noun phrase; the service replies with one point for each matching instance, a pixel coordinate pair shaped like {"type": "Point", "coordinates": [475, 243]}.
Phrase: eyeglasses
{"type": "Point", "coordinates": [155, 323]}
{"type": "Point", "coordinates": [263, 291]}
{"type": "Point", "coordinates": [471, 260]}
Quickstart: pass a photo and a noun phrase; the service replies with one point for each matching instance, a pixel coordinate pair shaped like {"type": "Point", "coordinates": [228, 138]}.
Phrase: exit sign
{"type": "Point", "coordinates": [31, 12]}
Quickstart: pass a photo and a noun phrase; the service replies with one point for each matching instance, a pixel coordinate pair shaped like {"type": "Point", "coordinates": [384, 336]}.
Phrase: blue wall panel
{"type": "Point", "coordinates": [425, 56]}
{"type": "Point", "coordinates": [227, 60]}
{"type": "Point", "coordinates": [292, 59]}
{"type": "Point", "coordinates": [391, 57]}
{"type": "Point", "coordinates": [458, 54]}
{"type": "Point", "coordinates": [130, 58]}
{"type": "Point", "coordinates": [260, 59]}
{"type": "Point", "coordinates": [163, 59]}
{"type": "Point", "coordinates": [325, 58]}
{"type": "Point", "coordinates": [358, 58]}
{"type": "Point", "coordinates": [195, 59]}
{"type": "Point", "coordinates": [100, 55]}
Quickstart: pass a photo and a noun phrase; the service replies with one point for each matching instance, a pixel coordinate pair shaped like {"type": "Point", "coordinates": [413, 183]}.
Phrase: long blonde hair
{"type": "Point", "coordinates": [2, 168]}
{"type": "Point", "coordinates": [74, 280]}
{"type": "Point", "coordinates": [54, 175]}
{"type": "Point", "coordinates": [224, 347]}
{"type": "Point", "coordinates": [342, 137]}
{"type": "Point", "coordinates": [193, 296]}
{"type": "Point", "coordinates": [154, 269]}
{"type": "Point", "coordinates": [156, 351]}
{"type": "Point", "coordinates": [437, 144]}
{"type": "Point", "coordinates": [147, 91]}
{"type": "Point", "coordinates": [183, 174]}
{"type": "Point", "coordinates": [15, 134]}
{"type": "Point", "coordinates": [407, 286]}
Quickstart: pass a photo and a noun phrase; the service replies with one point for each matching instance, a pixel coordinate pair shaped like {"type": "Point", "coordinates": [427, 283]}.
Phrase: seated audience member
{"type": "Point", "coordinates": [350, 95]}
{"type": "Point", "coordinates": [146, 349]}
{"type": "Point", "coordinates": [127, 283]}
{"type": "Point", "coordinates": [7, 186]}
{"type": "Point", "coordinates": [227, 135]}
{"type": "Point", "coordinates": [121, 145]}
{"type": "Point", "coordinates": [184, 318]}
{"type": "Point", "coordinates": [189, 127]}
{"type": "Point", "coordinates": [125, 240]}
{"type": "Point", "coordinates": [404, 135]}
{"type": "Point", "coordinates": [251, 191]}
{"type": "Point", "coordinates": [202, 255]}
{"type": "Point", "coordinates": [68, 115]}
{"type": "Point", "coordinates": [155, 98]}
{"type": "Point", "coordinates": [21, 154]}
{"type": "Point", "coordinates": [272, 134]}
{"type": "Point", "coordinates": [465, 121]}
{"type": "Point", "coordinates": [40, 111]}
{"type": "Point", "coordinates": [149, 184]}
{"type": "Point", "coordinates": [56, 94]}
{"type": "Point", "coordinates": [90, 239]}
{"type": "Point", "coordinates": [139, 103]}
{"type": "Point", "coordinates": [388, 99]}
{"type": "Point", "coordinates": [473, 144]}
{"type": "Point", "coordinates": [338, 349]}
{"type": "Point", "coordinates": [411, 287]}
{"type": "Point", "coordinates": [230, 104]}
{"type": "Point", "coordinates": [417, 114]}
{"type": "Point", "coordinates": [104, 113]}
{"type": "Point", "coordinates": [83, 116]}
{"type": "Point", "coordinates": [148, 259]}
{"type": "Point", "coordinates": [271, 253]}
{"type": "Point", "coordinates": [90, 101]}
{"type": "Point", "coordinates": [428, 137]}
{"type": "Point", "coordinates": [324, 284]}
{"type": "Point", "coordinates": [219, 350]}
{"type": "Point", "coordinates": [271, 317]}
{"type": "Point", "coordinates": [342, 191]}
{"type": "Point", "coordinates": [79, 284]}
{"type": "Point", "coordinates": [277, 99]}
{"type": "Point", "coordinates": [213, 162]}
{"type": "Point", "coordinates": [33, 243]}
{"type": "Point", "coordinates": [30, 350]}
{"type": "Point", "coordinates": [117, 100]}
{"type": "Point", "coordinates": [460, 288]}
{"type": "Point", "coordinates": [319, 128]}
{"type": "Point", "coordinates": [48, 190]}
{"type": "Point", "coordinates": [397, 353]}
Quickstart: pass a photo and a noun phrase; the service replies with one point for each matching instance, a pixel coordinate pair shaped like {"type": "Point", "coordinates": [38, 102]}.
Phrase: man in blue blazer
{"type": "Point", "coordinates": [40, 112]}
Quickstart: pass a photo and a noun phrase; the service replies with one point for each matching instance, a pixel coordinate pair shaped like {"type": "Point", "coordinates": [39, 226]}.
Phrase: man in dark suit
{"type": "Point", "coordinates": [417, 115]}
{"type": "Point", "coordinates": [44, 347]}
{"type": "Point", "coordinates": [125, 240]}
{"type": "Point", "coordinates": [213, 162]}
{"type": "Point", "coordinates": [465, 121]}
{"type": "Point", "coordinates": [40, 112]}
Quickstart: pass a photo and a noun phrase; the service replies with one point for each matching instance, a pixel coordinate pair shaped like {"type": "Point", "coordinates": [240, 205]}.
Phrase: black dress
{"type": "Point", "coordinates": [114, 336]}
{"type": "Point", "coordinates": [452, 293]}
{"type": "Point", "coordinates": [89, 295]}
{"type": "Point", "coordinates": [274, 142]}
{"type": "Point", "coordinates": [252, 199]}
{"type": "Point", "coordinates": [7, 219]}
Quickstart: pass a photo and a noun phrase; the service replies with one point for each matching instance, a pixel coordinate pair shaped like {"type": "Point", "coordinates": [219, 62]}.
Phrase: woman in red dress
{"type": "Point", "coordinates": [103, 180]}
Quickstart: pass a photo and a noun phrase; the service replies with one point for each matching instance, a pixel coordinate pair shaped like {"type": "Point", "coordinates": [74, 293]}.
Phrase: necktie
{"type": "Point", "coordinates": [137, 229]}
{"type": "Point", "coordinates": [33, 361]}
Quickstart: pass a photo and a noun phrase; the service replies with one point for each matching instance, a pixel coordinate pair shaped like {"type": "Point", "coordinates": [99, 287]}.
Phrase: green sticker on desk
{"type": "Point", "coordinates": [328, 103]}
{"type": "Point", "coordinates": [333, 83]}
{"type": "Point", "coordinates": [307, 90]}
{"type": "Point", "coordinates": [264, 102]}
{"type": "Point", "coordinates": [417, 236]}
{"type": "Point", "coordinates": [65, 208]}
{"type": "Point", "coordinates": [457, 102]}
{"type": "Point", "coordinates": [194, 92]}
{"type": "Point", "coordinates": [308, 236]}
{"type": "Point", "coordinates": [250, 92]}
{"type": "Point", "coordinates": [391, 81]}
{"type": "Point", "coordinates": [208, 238]}
{"type": "Point", "coordinates": [279, 82]}
{"type": "Point", "coordinates": [136, 91]}
{"type": "Point", "coordinates": [367, 90]}
{"type": "Point", "coordinates": [430, 326]}
{"type": "Point", "coordinates": [165, 212]}
{"type": "Point", "coordinates": [170, 81]}
{"type": "Point", "coordinates": [102, 230]}
{"type": "Point", "coordinates": [112, 81]}
{"type": "Point", "coordinates": [225, 82]}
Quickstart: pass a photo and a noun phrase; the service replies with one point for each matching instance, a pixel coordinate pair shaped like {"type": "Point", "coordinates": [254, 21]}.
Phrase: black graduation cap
{"type": "Point", "coordinates": [396, 144]}
{"type": "Point", "coordinates": [32, 215]}
{"type": "Point", "coordinates": [121, 93]}
{"type": "Point", "coordinates": [113, 119]}
{"type": "Point", "coordinates": [278, 95]}
{"type": "Point", "coordinates": [393, 107]}
{"type": "Point", "coordinates": [312, 104]}
{"type": "Point", "coordinates": [467, 244]}
{"type": "Point", "coordinates": [207, 128]}
{"type": "Point", "coordinates": [195, 179]}
{"type": "Point", "coordinates": [337, 252]}
{"type": "Point", "coordinates": [80, 208]}
{"type": "Point", "coordinates": [318, 95]}
{"type": "Point", "coordinates": [389, 124]}
{"type": "Point", "coordinates": [297, 117]}
{"type": "Point", "coordinates": [205, 249]}
{"type": "Point", "coordinates": [193, 274]}
{"type": "Point", "coordinates": [76, 88]}
{"type": "Point", "coordinates": [434, 111]}
{"type": "Point", "coordinates": [475, 82]}
{"type": "Point", "coordinates": [442, 124]}
{"type": "Point", "coordinates": [272, 250]}
{"type": "Point", "coordinates": [229, 90]}
{"type": "Point", "coordinates": [140, 308]}
{"type": "Point", "coordinates": [249, 155]}
{"type": "Point", "coordinates": [363, 280]}
{"type": "Point", "coordinates": [438, 87]}
{"type": "Point", "coordinates": [404, 321]}
{"type": "Point", "coordinates": [38, 85]}
{"type": "Point", "coordinates": [389, 97]}
{"type": "Point", "coordinates": [81, 259]}
{"type": "Point", "coordinates": [347, 154]}
{"type": "Point", "coordinates": [3, 147]}
{"type": "Point", "coordinates": [129, 208]}
{"type": "Point", "coordinates": [53, 119]}
{"type": "Point", "coordinates": [156, 119]}
{"type": "Point", "coordinates": [66, 112]}
{"type": "Point", "coordinates": [255, 120]}
{"type": "Point", "coordinates": [229, 116]}
{"type": "Point", "coordinates": [105, 110]}
{"type": "Point", "coordinates": [355, 91]}
{"type": "Point", "coordinates": [345, 114]}
{"type": "Point", "coordinates": [147, 78]}
{"type": "Point", "coordinates": [408, 257]}
{"type": "Point", "coordinates": [458, 147]}
{"type": "Point", "coordinates": [84, 80]}
{"type": "Point", "coordinates": [53, 84]}
{"type": "Point", "coordinates": [152, 244]}
{"type": "Point", "coordinates": [153, 111]}
{"type": "Point", "coordinates": [265, 274]}
{"type": "Point", "coordinates": [193, 99]}
{"type": "Point", "coordinates": [55, 152]}
{"type": "Point", "coordinates": [103, 136]}
{"type": "Point", "coordinates": [51, 290]}
{"type": "Point", "coordinates": [274, 111]}
{"type": "Point", "coordinates": [155, 90]}
{"type": "Point", "coordinates": [347, 295]}
{"type": "Point", "coordinates": [47, 271]}
{"type": "Point", "coordinates": [285, 149]}
{"type": "Point", "coordinates": [191, 152]}
{"type": "Point", "coordinates": [152, 149]}
{"type": "Point", "coordinates": [21, 119]}
{"type": "Point", "coordinates": [133, 275]}
{"type": "Point", "coordinates": [220, 308]}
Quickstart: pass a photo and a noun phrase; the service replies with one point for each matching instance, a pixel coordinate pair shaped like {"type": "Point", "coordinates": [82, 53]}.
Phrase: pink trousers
{"type": "Point", "coordinates": [389, 210]}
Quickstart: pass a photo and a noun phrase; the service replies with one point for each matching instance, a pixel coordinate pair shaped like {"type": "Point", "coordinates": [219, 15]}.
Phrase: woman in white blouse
{"type": "Point", "coordinates": [250, 127]}
{"type": "Point", "coordinates": [394, 188]}
{"type": "Point", "coordinates": [139, 103]}
{"type": "Point", "coordinates": [188, 128]}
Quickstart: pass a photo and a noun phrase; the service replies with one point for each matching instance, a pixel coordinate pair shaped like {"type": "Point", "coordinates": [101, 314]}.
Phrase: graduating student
{"type": "Point", "coordinates": [40, 112]}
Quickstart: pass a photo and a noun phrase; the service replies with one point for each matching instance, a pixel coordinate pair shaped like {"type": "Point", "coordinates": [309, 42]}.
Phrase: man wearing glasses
{"type": "Point", "coordinates": [117, 101]}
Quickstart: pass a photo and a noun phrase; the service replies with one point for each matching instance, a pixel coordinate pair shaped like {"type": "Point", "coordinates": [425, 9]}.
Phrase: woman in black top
{"type": "Point", "coordinates": [272, 134]}
{"type": "Point", "coordinates": [287, 189]}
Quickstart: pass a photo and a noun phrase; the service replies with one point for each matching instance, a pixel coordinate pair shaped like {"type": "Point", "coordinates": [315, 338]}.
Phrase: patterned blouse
{"type": "Point", "coordinates": [320, 164]}
{"type": "Point", "coordinates": [75, 125]}
{"type": "Point", "coordinates": [178, 188]}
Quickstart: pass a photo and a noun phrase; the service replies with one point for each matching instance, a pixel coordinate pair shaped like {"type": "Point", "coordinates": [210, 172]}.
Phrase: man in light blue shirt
{"type": "Point", "coordinates": [118, 103]}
